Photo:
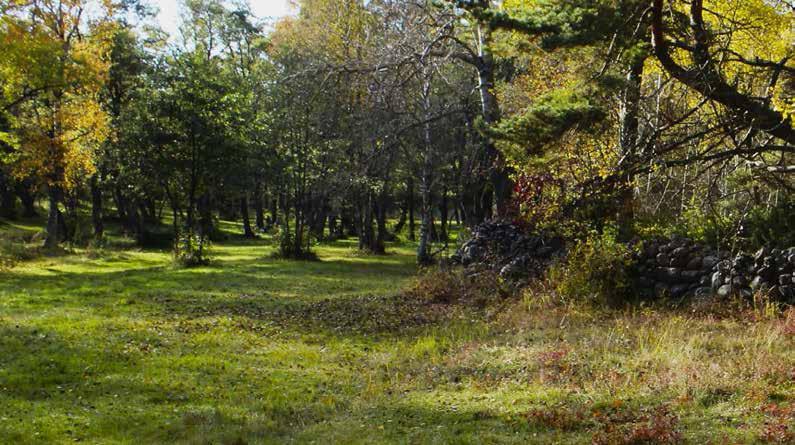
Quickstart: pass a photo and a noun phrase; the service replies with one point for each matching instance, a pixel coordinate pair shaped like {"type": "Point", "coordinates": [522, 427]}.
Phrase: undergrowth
{"type": "Point", "coordinates": [596, 270]}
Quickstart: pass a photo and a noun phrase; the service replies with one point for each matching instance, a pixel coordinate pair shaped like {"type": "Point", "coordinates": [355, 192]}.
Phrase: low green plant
{"type": "Point", "coordinates": [596, 270]}
{"type": "Point", "coordinates": [192, 250]}
{"type": "Point", "coordinates": [289, 249]}
{"type": "Point", "coordinates": [772, 226]}
{"type": "Point", "coordinates": [699, 224]}
{"type": "Point", "coordinates": [14, 250]}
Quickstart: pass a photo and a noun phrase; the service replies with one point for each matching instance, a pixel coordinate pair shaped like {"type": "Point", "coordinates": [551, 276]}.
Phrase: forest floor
{"type": "Point", "coordinates": [119, 346]}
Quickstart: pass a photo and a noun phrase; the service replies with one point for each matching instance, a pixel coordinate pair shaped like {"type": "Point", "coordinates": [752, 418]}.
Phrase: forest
{"type": "Point", "coordinates": [398, 221]}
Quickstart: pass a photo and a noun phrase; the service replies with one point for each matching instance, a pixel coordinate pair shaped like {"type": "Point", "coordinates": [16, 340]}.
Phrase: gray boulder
{"type": "Point", "coordinates": [709, 262]}
{"type": "Point", "coordinates": [725, 291]}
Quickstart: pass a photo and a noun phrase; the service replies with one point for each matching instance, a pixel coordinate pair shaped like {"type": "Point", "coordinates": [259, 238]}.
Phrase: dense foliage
{"type": "Point", "coordinates": [659, 117]}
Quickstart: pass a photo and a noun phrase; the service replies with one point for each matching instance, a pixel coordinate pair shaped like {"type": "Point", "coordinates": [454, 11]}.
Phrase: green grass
{"type": "Point", "coordinates": [119, 346]}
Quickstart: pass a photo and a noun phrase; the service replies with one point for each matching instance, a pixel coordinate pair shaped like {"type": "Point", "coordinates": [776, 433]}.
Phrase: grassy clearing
{"type": "Point", "coordinates": [118, 346]}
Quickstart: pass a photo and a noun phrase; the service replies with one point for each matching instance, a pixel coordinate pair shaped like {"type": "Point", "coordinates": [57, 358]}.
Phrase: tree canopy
{"type": "Point", "coordinates": [354, 117]}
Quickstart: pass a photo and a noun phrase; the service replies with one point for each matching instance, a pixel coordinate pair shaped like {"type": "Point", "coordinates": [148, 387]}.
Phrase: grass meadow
{"type": "Point", "coordinates": [119, 346]}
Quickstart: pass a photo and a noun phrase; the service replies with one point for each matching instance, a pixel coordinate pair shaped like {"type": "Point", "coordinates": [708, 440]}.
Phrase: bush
{"type": "Point", "coordinates": [597, 270]}
{"type": "Point", "coordinates": [191, 250]}
{"type": "Point", "coordinates": [751, 229]}
{"type": "Point", "coordinates": [773, 226]}
{"type": "Point", "coordinates": [289, 250]}
{"type": "Point", "coordinates": [16, 249]}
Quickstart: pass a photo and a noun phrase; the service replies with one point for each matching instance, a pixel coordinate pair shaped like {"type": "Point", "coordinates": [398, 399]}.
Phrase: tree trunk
{"type": "Point", "coordinates": [366, 235]}
{"type": "Point", "coordinates": [149, 210]}
{"type": "Point", "coordinates": [258, 207]}
{"type": "Point", "coordinates": [96, 207]}
{"type": "Point", "coordinates": [121, 205]}
{"type": "Point", "coordinates": [53, 237]}
{"type": "Point", "coordinates": [628, 139]}
{"type": "Point", "coordinates": [332, 226]}
{"type": "Point", "coordinates": [175, 219]}
{"type": "Point", "coordinates": [135, 226]}
{"type": "Point", "coordinates": [63, 229]}
{"type": "Point", "coordinates": [299, 228]}
{"type": "Point", "coordinates": [410, 196]}
{"type": "Point", "coordinates": [424, 247]}
{"type": "Point", "coordinates": [444, 214]}
{"type": "Point", "coordinates": [402, 219]}
{"type": "Point", "coordinates": [486, 198]}
{"type": "Point", "coordinates": [470, 202]}
{"type": "Point", "coordinates": [380, 217]}
{"type": "Point", "coordinates": [274, 211]}
{"type": "Point", "coordinates": [27, 199]}
{"type": "Point", "coordinates": [490, 109]}
{"type": "Point", "coordinates": [8, 200]}
{"type": "Point", "coordinates": [320, 218]}
{"type": "Point", "coordinates": [434, 236]}
{"type": "Point", "coordinates": [229, 211]}
{"type": "Point", "coordinates": [285, 223]}
{"type": "Point", "coordinates": [348, 224]}
{"type": "Point", "coordinates": [205, 216]}
{"type": "Point", "coordinates": [247, 232]}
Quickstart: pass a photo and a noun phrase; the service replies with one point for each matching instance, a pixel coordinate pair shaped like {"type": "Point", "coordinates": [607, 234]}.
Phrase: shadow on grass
{"type": "Point", "coordinates": [90, 390]}
{"type": "Point", "coordinates": [393, 421]}
{"type": "Point", "coordinates": [99, 389]}
{"type": "Point", "coordinates": [38, 364]}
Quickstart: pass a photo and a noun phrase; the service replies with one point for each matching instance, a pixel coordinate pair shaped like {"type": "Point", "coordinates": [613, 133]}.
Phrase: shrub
{"type": "Point", "coordinates": [772, 226]}
{"type": "Point", "coordinates": [597, 270]}
{"type": "Point", "coordinates": [289, 250]}
{"type": "Point", "coordinates": [96, 248]}
{"type": "Point", "coordinates": [191, 250]}
{"type": "Point", "coordinates": [559, 418]}
{"type": "Point", "coordinates": [14, 250]}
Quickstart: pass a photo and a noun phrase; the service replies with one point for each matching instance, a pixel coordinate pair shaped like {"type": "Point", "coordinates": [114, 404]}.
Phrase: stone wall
{"type": "Point", "coordinates": [675, 267]}
{"type": "Point", "coordinates": [679, 267]}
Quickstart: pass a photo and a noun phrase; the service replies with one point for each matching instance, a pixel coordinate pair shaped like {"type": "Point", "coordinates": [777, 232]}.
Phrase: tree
{"type": "Point", "coordinates": [706, 51]}
{"type": "Point", "coordinates": [58, 120]}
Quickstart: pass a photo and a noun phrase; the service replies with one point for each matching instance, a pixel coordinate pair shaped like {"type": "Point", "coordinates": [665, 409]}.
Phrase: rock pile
{"type": "Point", "coordinates": [502, 247]}
{"type": "Point", "coordinates": [680, 267]}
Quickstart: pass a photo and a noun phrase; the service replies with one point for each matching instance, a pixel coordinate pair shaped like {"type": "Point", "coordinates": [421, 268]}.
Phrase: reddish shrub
{"type": "Point", "coordinates": [779, 424]}
{"type": "Point", "coordinates": [619, 427]}
{"type": "Point", "coordinates": [559, 418]}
